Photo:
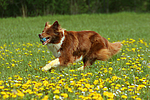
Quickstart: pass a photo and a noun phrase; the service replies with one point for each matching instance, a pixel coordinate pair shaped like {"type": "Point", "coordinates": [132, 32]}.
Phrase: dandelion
{"type": "Point", "coordinates": [5, 96]}
{"type": "Point", "coordinates": [135, 96]}
{"type": "Point", "coordinates": [118, 59]}
{"type": "Point", "coordinates": [90, 90]}
{"type": "Point", "coordinates": [130, 90]}
{"type": "Point", "coordinates": [81, 96]}
{"type": "Point", "coordinates": [124, 88]}
{"type": "Point", "coordinates": [108, 94]}
{"type": "Point", "coordinates": [45, 97]}
{"type": "Point", "coordinates": [105, 88]}
{"type": "Point", "coordinates": [72, 70]}
{"type": "Point", "coordinates": [1, 87]}
{"type": "Point", "coordinates": [97, 97]}
{"type": "Point", "coordinates": [133, 49]}
{"type": "Point", "coordinates": [19, 93]}
{"type": "Point", "coordinates": [13, 65]}
{"type": "Point", "coordinates": [138, 99]}
{"type": "Point", "coordinates": [13, 95]}
{"type": "Point", "coordinates": [70, 90]}
{"type": "Point", "coordinates": [127, 63]}
{"type": "Point", "coordinates": [140, 87]}
{"type": "Point", "coordinates": [56, 97]}
{"type": "Point", "coordinates": [124, 96]}
{"type": "Point", "coordinates": [56, 91]}
{"type": "Point", "coordinates": [39, 94]}
{"type": "Point", "coordinates": [9, 78]}
{"type": "Point", "coordinates": [65, 95]}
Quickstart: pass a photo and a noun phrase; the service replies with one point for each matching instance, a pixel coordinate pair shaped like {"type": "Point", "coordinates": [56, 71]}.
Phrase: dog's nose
{"type": "Point", "coordinates": [39, 35]}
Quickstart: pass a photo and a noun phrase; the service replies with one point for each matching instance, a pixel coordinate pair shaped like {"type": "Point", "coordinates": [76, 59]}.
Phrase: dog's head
{"type": "Point", "coordinates": [51, 33]}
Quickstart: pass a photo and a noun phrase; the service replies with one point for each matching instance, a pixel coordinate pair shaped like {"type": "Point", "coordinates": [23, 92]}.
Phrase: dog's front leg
{"type": "Point", "coordinates": [53, 64]}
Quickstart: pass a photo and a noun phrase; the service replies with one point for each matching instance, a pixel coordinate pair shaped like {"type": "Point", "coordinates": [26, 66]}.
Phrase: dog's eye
{"type": "Point", "coordinates": [47, 32]}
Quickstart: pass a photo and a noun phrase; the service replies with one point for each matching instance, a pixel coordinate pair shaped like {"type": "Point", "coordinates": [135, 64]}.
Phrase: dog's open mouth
{"type": "Point", "coordinates": [45, 40]}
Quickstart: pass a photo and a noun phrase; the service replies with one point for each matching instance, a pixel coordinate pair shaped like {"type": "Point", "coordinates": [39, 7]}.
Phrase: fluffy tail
{"type": "Point", "coordinates": [114, 48]}
{"type": "Point", "coordinates": [106, 53]}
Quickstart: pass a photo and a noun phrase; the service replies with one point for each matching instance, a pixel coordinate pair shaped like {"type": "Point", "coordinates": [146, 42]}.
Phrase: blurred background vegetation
{"type": "Point", "coordinates": [25, 8]}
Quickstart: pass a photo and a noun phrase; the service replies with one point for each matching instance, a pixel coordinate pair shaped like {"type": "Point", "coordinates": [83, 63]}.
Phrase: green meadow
{"type": "Point", "coordinates": [125, 76]}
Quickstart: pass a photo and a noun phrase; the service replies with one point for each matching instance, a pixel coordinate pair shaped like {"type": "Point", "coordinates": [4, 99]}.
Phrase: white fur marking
{"type": "Point", "coordinates": [79, 59]}
{"type": "Point", "coordinates": [55, 47]}
{"type": "Point", "coordinates": [81, 68]}
{"type": "Point", "coordinates": [53, 64]}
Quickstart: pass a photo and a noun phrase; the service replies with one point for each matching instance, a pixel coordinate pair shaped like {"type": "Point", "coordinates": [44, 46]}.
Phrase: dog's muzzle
{"type": "Point", "coordinates": [44, 40]}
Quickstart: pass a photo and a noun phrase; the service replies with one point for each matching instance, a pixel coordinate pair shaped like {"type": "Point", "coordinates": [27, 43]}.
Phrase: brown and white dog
{"type": "Point", "coordinates": [74, 46]}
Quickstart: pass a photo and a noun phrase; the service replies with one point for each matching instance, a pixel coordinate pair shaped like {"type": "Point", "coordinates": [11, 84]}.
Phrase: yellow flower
{"type": "Point", "coordinates": [65, 95]}
{"type": "Point", "coordinates": [45, 97]}
{"type": "Point", "coordinates": [90, 90]}
{"type": "Point", "coordinates": [87, 98]}
{"type": "Point", "coordinates": [70, 90]}
{"type": "Point", "coordinates": [118, 59]}
{"type": "Point", "coordinates": [131, 86]}
{"type": "Point", "coordinates": [56, 91]}
{"type": "Point", "coordinates": [90, 73]}
{"type": "Point", "coordinates": [5, 96]}
{"type": "Point", "coordinates": [14, 95]}
{"type": "Point", "coordinates": [134, 96]}
{"type": "Point", "coordinates": [114, 78]}
{"type": "Point", "coordinates": [133, 49]}
{"type": "Point", "coordinates": [108, 94]}
{"type": "Point", "coordinates": [124, 96]}
{"type": "Point", "coordinates": [138, 99]}
{"type": "Point", "coordinates": [110, 68]}
{"type": "Point", "coordinates": [1, 87]}
{"type": "Point", "coordinates": [124, 88]}
{"type": "Point", "coordinates": [72, 70]}
{"type": "Point", "coordinates": [87, 85]}
{"type": "Point", "coordinates": [96, 96]}
{"type": "Point", "coordinates": [140, 87]}
{"type": "Point", "coordinates": [13, 65]}
{"type": "Point", "coordinates": [45, 83]}
{"type": "Point", "coordinates": [95, 82]}
{"type": "Point", "coordinates": [130, 90]}
{"type": "Point", "coordinates": [72, 83]}
{"type": "Point", "coordinates": [105, 88]}
{"type": "Point", "coordinates": [20, 94]}
{"type": "Point", "coordinates": [118, 85]}
{"type": "Point", "coordinates": [17, 85]}
{"type": "Point", "coordinates": [105, 71]}
{"type": "Point", "coordinates": [9, 78]}
{"type": "Point", "coordinates": [81, 96]}
{"type": "Point", "coordinates": [29, 91]}
{"type": "Point", "coordinates": [56, 96]}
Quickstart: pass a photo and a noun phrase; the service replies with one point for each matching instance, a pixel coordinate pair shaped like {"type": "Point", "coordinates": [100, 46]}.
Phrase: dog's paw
{"type": "Point", "coordinates": [46, 68]}
{"type": "Point", "coordinates": [81, 68]}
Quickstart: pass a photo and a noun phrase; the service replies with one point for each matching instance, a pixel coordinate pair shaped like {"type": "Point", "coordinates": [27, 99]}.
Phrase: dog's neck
{"type": "Point", "coordinates": [54, 48]}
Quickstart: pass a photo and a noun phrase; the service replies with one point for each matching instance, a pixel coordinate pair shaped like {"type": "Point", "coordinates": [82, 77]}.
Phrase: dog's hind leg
{"type": "Point", "coordinates": [87, 62]}
{"type": "Point", "coordinates": [102, 54]}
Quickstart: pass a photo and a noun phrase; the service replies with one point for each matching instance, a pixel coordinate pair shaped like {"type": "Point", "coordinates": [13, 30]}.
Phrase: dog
{"type": "Point", "coordinates": [73, 46]}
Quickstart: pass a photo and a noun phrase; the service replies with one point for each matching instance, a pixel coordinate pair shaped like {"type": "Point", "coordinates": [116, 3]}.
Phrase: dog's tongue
{"type": "Point", "coordinates": [44, 43]}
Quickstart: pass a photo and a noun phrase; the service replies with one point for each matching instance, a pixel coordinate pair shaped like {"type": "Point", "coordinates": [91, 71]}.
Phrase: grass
{"type": "Point", "coordinates": [125, 76]}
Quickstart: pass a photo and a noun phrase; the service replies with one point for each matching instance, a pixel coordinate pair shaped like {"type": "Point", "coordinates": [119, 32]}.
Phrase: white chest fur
{"type": "Point", "coordinates": [54, 48]}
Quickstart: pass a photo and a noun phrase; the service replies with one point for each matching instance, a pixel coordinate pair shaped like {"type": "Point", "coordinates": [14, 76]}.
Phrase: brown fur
{"type": "Point", "coordinates": [88, 44]}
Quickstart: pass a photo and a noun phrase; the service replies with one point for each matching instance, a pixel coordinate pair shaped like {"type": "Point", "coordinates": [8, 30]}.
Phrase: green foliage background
{"type": "Point", "coordinates": [13, 8]}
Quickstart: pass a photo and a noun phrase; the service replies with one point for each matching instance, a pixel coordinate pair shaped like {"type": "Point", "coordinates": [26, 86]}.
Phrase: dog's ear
{"type": "Point", "coordinates": [56, 25]}
{"type": "Point", "coordinates": [46, 24]}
